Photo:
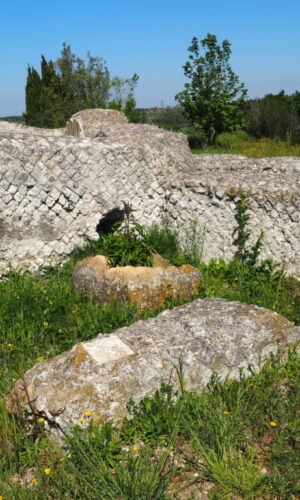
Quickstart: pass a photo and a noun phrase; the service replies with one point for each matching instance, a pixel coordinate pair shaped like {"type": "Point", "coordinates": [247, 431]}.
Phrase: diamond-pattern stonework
{"type": "Point", "coordinates": [55, 188]}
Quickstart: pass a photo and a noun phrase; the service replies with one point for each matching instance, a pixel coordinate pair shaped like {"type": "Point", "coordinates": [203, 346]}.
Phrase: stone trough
{"type": "Point", "coordinates": [145, 287]}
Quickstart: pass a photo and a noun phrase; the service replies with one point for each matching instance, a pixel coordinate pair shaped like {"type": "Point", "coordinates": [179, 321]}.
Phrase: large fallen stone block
{"type": "Point", "coordinates": [209, 336]}
{"type": "Point", "coordinates": [94, 122]}
{"type": "Point", "coordinates": [146, 287]}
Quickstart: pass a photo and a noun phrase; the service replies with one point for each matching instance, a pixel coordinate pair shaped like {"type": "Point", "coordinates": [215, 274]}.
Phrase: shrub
{"type": "Point", "coordinates": [164, 241]}
{"type": "Point", "coordinates": [124, 250]}
{"type": "Point", "coordinates": [231, 139]}
{"type": "Point", "coordinates": [196, 137]}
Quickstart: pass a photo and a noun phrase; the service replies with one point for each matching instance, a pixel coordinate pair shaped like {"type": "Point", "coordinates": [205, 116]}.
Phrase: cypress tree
{"type": "Point", "coordinates": [33, 94]}
{"type": "Point", "coordinates": [50, 98]}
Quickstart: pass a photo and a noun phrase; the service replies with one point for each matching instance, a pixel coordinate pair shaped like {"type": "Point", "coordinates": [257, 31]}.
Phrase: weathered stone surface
{"type": "Point", "coordinates": [210, 335]}
{"type": "Point", "coordinates": [55, 189]}
{"type": "Point", "coordinates": [159, 261]}
{"type": "Point", "coordinates": [146, 287]}
{"type": "Point", "coordinates": [94, 122]}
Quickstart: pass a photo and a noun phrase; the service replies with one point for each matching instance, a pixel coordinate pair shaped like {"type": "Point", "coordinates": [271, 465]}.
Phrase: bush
{"type": "Point", "coordinates": [275, 116]}
{"type": "Point", "coordinates": [231, 139]}
{"type": "Point", "coordinates": [196, 137]}
{"type": "Point", "coordinates": [170, 118]}
{"type": "Point", "coordinates": [123, 250]}
{"type": "Point", "coordinates": [164, 241]}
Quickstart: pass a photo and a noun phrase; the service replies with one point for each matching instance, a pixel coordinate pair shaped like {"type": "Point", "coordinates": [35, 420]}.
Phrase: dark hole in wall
{"type": "Point", "coordinates": [106, 224]}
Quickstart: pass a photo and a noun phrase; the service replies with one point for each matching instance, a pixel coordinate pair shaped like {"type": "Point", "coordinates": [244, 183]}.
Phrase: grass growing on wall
{"type": "Point", "coordinates": [238, 439]}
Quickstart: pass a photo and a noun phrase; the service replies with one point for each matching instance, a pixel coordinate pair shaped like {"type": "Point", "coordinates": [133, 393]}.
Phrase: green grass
{"type": "Point", "coordinates": [236, 142]}
{"type": "Point", "coordinates": [222, 437]}
{"type": "Point", "coordinates": [242, 437]}
{"type": "Point", "coordinates": [251, 148]}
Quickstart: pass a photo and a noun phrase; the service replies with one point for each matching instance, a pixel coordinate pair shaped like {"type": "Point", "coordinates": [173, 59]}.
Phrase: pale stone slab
{"type": "Point", "coordinates": [204, 337]}
{"type": "Point", "coordinates": [107, 349]}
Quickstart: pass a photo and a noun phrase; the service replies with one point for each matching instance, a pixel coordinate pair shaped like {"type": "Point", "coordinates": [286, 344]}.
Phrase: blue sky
{"type": "Point", "coordinates": [150, 38]}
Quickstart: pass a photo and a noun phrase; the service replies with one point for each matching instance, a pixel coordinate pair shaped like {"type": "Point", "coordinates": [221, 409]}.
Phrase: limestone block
{"type": "Point", "coordinates": [73, 197]}
{"type": "Point", "coordinates": [209, 336]}
{"type": "Point", "coordinates": [50, 202]}
{"type": "Point", "coordinates": [57, 208]}
{"type": "Point", "coordinates": [7, 198]}
{"type": "Point", "coordinates": [12, 189]}
{"type": "Point", "coordinates": [93, 122]}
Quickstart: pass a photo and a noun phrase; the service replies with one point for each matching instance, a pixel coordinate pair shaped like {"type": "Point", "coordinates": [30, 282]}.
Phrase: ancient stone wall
{"type": "Point", "coordinates": [56, 188]}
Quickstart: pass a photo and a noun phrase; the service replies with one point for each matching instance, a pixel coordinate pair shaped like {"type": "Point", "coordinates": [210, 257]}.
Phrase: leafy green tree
{"type": "Point", "coordinates": [123, 96]}
{"type": "Point", "coordinates": [214, 96]}
{"type": "Point", "coordinates": [88, 83]}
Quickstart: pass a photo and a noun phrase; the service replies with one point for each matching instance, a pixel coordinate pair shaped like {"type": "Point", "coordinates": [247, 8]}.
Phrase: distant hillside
{"type": "Point", "coordinates": [14, 119]}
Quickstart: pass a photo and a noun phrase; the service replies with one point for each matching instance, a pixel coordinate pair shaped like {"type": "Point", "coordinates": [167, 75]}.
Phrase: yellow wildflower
{"type": "Point", "coordinates": [272, 424]}
{"type": "Point", "coordinates": [41, 420]}
{"type": "Point", "coordinates": [80, 420]}
{"type": "Point", "coordinates": [45, 324]}
{"type": "Point", "coordinates": [47, 471]}
{"type": "Point", "coordinates": [226, 412]}
{"type": "Point", "coordinates": [34, 480]}
{"type": "Point", "coordinates": [87, 413]}
{"type": "Point", "coordinates": [135, 448]}
{"type": "Point", "coordinates": [9, 345]}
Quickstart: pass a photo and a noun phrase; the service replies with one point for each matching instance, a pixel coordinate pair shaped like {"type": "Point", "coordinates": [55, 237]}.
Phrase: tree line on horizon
{"type": "Point", "coordinates": [213, 101]}
{"type": "Point", "coordinates": [274, 116]}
